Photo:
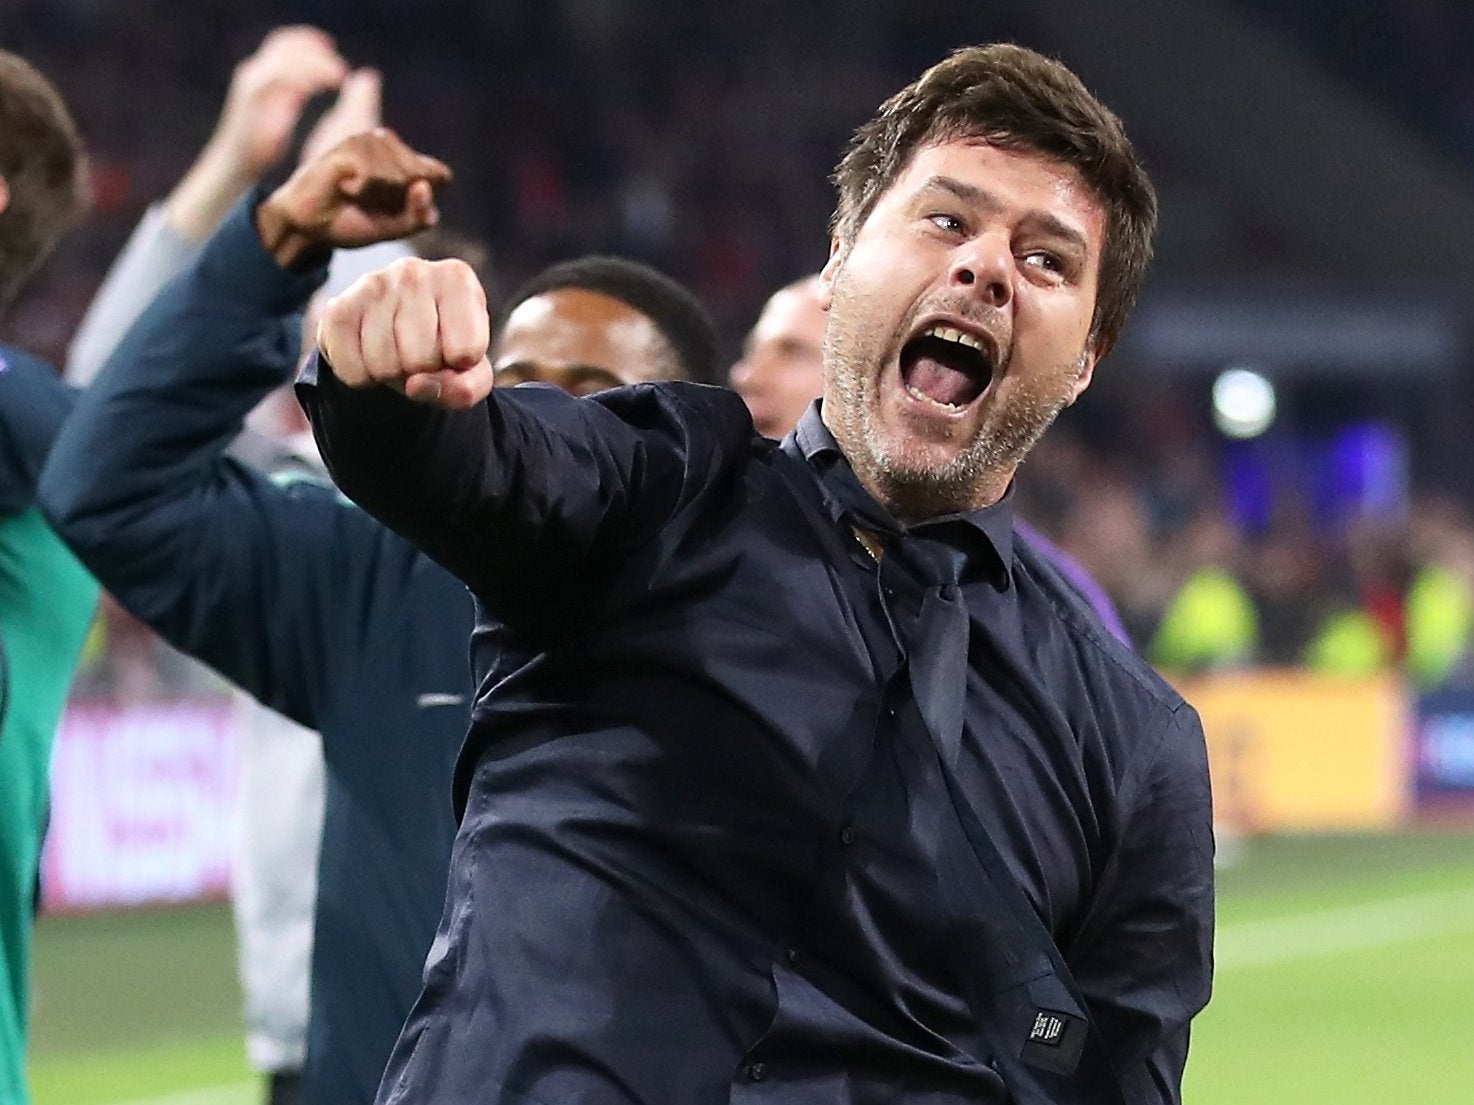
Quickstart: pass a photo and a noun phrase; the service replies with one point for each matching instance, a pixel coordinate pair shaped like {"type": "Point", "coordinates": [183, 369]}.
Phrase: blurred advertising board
{"type": "Point", "coordinates": [140, 804]}
{"type": "Point", "coordinates": [142, 795]}
{"type": "Point", "coordinates": [1444, 773]}
{"type": "Point", "coordinates": [1295, 752]}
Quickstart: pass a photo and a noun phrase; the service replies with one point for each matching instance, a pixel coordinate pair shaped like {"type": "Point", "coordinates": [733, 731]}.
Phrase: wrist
{"type": "Point", "coordinates": [207, 191]}
{"type": "Point", "coordinates": [222, 161]}
{"type": "Point", "coordinates": [290, 246]}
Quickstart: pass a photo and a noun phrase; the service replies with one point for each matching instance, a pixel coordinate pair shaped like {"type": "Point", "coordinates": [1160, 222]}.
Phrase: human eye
{"type": "Point", "coordinates": [947, 222]}
{"type": "Point", "coordinates": [1047, 262]}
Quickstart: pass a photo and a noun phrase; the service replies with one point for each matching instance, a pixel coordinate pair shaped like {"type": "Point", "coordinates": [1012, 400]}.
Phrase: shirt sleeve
{"type": "Point", "coordinates": [154, 255]}
{"type": "Point", "coordinates": [531, 496]}
{"type": "Point", "coordinates": [33, 404]}
{"type": "Point", "coordinates": [254, 578]}
{"type": "Point", "coordinates": [1144, 956]}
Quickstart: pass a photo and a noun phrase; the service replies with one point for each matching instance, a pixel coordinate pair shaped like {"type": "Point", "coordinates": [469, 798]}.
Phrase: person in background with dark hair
{"type": "Point", "coordinates": [46, 597]}
{"type": "Point", "coordinates": [781, 374]}
{"type": "Point", "coordinates": [792, 775]}
{"type": "Point", "coordinates": [295, 595]}
{"type": "Point", "coordinates": [637, 315]}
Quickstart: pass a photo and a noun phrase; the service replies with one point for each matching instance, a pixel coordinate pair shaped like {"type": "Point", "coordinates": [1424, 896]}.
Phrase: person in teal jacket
{"type": "Point", "coordinates": [46, 597]}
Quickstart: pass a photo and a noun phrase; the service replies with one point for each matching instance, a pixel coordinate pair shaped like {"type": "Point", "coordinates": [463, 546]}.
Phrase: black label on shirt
{"type": "Point", "coordinates": [1055, 1041]}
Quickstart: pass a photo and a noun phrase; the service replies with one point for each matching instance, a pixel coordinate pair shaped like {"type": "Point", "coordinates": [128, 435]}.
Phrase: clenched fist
{"type": "Point", "coordinates": [420, 327]}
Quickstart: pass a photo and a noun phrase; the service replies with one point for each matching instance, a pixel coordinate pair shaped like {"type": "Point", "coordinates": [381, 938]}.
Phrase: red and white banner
{"type": "Point", "coordinates": [140, 804]}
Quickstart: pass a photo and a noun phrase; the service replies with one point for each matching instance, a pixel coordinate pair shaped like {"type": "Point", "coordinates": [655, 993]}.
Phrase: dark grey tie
{"type": "Point", "coordinates": [924, 568]}
{"type": "Point", "coordinates": [1010, 968]}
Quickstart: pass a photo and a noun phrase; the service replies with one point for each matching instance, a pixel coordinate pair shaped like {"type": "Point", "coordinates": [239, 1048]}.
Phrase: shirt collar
{"type": "Point", "coordinates": [991, 525]}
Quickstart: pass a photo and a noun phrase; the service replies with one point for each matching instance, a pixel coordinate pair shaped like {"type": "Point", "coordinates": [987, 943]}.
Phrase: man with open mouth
{"type": "Point", "coordinates": [780, 375]}
{"type": "Point", "coordinates": [792, 776]}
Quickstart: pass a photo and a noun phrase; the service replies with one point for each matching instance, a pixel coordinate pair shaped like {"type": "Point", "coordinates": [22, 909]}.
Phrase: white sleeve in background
{"type": "Point", "coordinates": [154, 254]}
{"type": "Point", "coordinates": [277, 837]}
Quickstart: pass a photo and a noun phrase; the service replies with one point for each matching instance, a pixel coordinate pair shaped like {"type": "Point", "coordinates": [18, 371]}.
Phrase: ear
{"type": "Point", "coordinates": [4, 194]}
{"type": "Point", "coordinates": [829, 271]}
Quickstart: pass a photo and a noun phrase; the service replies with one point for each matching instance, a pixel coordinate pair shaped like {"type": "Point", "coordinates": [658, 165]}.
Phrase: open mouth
{"type": "Point", "coordinates": [946, 366]}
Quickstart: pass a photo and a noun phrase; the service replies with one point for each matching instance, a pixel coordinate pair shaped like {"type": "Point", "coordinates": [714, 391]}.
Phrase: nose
{"type": "Point", "coordinates": [984, 267]}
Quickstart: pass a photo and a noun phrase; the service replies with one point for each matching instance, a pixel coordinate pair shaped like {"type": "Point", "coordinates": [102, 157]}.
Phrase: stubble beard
{"type": "Point", "coordinates": [904, 480]}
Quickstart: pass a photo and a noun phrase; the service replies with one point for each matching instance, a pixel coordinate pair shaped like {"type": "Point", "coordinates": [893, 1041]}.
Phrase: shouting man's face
{"type": "Point", "coordinates": [960, 323]}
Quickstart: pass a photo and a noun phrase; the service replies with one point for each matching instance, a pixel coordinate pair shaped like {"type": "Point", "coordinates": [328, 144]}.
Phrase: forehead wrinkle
{"type": "Point", "coordinates": [973, 195]}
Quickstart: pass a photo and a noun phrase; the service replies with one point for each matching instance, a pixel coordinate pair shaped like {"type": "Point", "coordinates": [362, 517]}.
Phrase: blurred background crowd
{"type": "Point", "coordinates": [1273, 470]}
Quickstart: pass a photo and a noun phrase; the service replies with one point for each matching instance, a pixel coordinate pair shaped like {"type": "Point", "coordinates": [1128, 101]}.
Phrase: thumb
{"type": "Point", "coordinates": [452, 389]}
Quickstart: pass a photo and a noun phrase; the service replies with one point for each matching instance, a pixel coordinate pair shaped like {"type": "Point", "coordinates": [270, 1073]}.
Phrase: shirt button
{"type": "Point", "coordinates": [791, 955]}
{"type": "Point", "coordinates": [757, 1071]}
{"type": "Point", "coordinates": [847, 835]}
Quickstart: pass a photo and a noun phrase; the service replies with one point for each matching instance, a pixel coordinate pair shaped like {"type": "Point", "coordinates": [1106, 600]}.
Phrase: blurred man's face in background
{"type": "Point", "coordinates": [580, 341]}
{"type": "Point", "coordinates": [781, 371]}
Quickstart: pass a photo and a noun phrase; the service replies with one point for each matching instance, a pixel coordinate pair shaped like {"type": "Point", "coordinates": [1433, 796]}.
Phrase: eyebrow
{"type": "Point", "coordinates": [981, 197]}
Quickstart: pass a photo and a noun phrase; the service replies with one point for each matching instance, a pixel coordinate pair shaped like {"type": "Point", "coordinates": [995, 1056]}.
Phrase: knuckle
{"type": "Point", "coordinates": [336, 311]}
{"type": "Point", "coordinates": [409, 272]}
{"type": "Point", "coordinates": [372, 286]}
{"type": "Point", "coordinates": [454, 274]}
{"type": "Point", "coordinates": [417, 357]}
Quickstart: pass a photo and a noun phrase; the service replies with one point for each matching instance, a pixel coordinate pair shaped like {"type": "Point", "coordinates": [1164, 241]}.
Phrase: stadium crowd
{"type": "Point", "coordinates": [604, 162]}
{"type": "Point", "coordinates": [1202, 590]}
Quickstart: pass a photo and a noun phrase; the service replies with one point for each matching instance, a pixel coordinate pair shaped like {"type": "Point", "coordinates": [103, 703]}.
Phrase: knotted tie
{"type": "Point", "coordinates": [1022, 979]}
{"type": "Point", "coordinates": [924, 569]}
{"type": "Point", "coordinates": [1009, 966]}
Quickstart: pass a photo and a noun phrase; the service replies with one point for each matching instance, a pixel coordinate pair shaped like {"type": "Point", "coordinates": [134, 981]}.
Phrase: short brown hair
{"type": "Point", "coordinates": [1016, 99]}
{"type": "Point", "coordinates": [42, 164]}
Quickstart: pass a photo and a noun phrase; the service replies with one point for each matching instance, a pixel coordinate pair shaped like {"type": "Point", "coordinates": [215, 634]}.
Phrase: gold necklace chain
{"type": "Point", "coordinates": [869, 542]}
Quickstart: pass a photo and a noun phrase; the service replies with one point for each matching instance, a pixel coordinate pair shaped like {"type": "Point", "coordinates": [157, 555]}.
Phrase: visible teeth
{"type": "Point", "coordinates": [948, 333]}
{"type": "Point", "coordinates": [943, 405]}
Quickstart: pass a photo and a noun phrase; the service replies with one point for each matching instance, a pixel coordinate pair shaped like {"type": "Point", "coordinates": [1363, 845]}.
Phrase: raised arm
{"type": "Point", "coordinates": [268, 92]}
{"type": "Point", "coordinates": [139, 486]}
{"type": "Point", "coordinates": [409, 464]}
{"type": "Point", "coordinates": [248, 576]}
{"type": "Point", "coordinates": [526, 493]}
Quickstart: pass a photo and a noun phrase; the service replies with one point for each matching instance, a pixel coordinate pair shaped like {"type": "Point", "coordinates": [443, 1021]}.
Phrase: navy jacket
{"type": "Point", "coordinates": [33, 404]}
{"type": "Point", "coordinates": [299, 598]}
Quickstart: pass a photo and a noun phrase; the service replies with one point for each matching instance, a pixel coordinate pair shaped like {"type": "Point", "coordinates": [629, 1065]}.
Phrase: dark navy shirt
{"type": "Point", "coordinates": [693, 865]}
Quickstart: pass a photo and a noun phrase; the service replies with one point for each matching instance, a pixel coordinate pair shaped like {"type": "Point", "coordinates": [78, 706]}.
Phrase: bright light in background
{"type": "Point", "coordinates": [1243, 403]}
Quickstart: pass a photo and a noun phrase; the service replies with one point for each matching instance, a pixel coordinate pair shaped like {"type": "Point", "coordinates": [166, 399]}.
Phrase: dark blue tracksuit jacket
{"type": "Point", "coordinates": [299, 598]}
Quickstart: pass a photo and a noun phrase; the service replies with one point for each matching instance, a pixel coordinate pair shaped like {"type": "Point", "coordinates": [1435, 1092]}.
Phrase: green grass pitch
{"type": "Point", "coordinates": [1345, 976]}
